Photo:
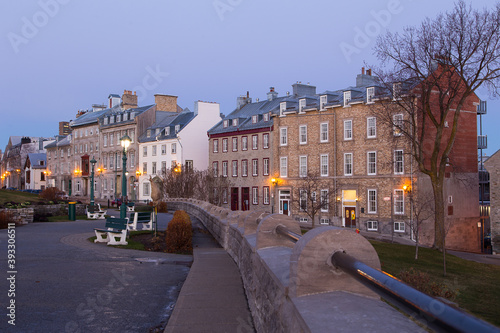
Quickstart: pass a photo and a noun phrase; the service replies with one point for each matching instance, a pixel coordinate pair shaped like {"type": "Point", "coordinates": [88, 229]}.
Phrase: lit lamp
{"type": "Point", "coordinates": [138, 173]}
{"type": "Point", "coordinates": [93, 162]}
{"type": "Point", "coordinates": [125, 142]}
{"type": "Point", "coordinates": [274, 181]}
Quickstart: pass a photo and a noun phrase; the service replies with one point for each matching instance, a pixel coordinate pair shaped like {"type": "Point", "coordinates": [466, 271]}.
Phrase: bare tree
{"type": "Point", "coordinates": [212, 188]}
{"type": "Point", "coordinates": [313, 194]}
{"type": "Point", "coordinates": [422, 209]}
{"type": "Point", "coordinates": [432, 71]}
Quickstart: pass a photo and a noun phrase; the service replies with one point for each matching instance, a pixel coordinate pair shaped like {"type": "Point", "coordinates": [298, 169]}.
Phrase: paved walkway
{"type": "Point", "coordinates": [212, 298]}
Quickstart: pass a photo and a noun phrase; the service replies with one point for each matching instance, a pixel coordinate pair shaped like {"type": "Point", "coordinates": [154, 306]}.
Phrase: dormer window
{"type": "Point", "coordinates": [111, 119]}
{"type": "Point", "coordinates": [322, 102]}
{"type": "Point", "coordinates": [347, 98]}
{"type": "Point", "coordinates": [302, 104]}
{"type": "Point", "coordinates": [370, 93]}
{"type": "Point", "coordinates": [148, 133]}
{"type": "Point", "coordinates": [235, 122]}
{"type": "Point", "coordinates": [157, 131]}
{"type": "Point", "coordinates": [177, 128]}
{"type": "Point", "coordinates": [266, 116]}
{"type": "Point", "coordinates": [125, 116]}
{"type": "Point", "coordinates": [105, 120]}
{"type": "Point", "coordinates": [254, 119]}
{"type": "Point", "coordinates": [118, 118]}
{"type": "Point", "coordinates": [282, 108]}
{"type": "Point", "coordinates": [167, 131]}
{"type": "Point", "coordinates": [396, 90]}
{"type": "Point", "coordinates": [132, 115]}
{"type": "Point", "coordinates": [226, 123]}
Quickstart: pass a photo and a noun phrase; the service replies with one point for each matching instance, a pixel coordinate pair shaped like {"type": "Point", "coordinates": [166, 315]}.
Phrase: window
{"type": "Point", "coordinates": [372, 225]}
{"type": "Point", "coordinates": [255, 141]}
{"type": "Point", "coordinates": [174, 148]}
{"type": "Point", "coordinates": [324, 221]}
{"type": "Point", "coordinates": [157, 131]}
{"type": "Point", "coordinates": [303, 200]}
{"type": "Point", "coordinates": [266, 116]}
{"type": "Point", "coordinates": [225, 123]}
{"type": "Point", "coordinates": [154, 151]}
{"type": "Point", "coordinates": [105, 140]}
{"type": "Point", "coordinates": [397, 123]}
{"type": "Point", "coordinates": [105, 161]}
{"type": "Point", "coordinates": [255, 167]}
{"type": "Point", "coordinates": [235, 168]}
{"type": "Point", "coordinates": [303, 134]}
{"type": "Point", "coordinates": [347, 98]}
{"type": "Point", "coordinates": [235, 144]}
{"type": "Point", "coordinates": [144, 168]}
{"type": "Point", "coordinates": [153, 166]}
{"type": "Point", "coordinates": [177, 128]}
{"type": "Point", "coordinates": [323, 132]}
{"type": "Point", "coordinates": [399, 200]}
{"type": "Point", "coordinates": [371, 161]}
{"type": "Point", "coordinates": [399, 227]}
{"type": "Point", "coordinates": [224, 145]}
{"type": "Point", "coordinates": [215, 167]}
{"type": "Point", "coordinates": [283, 136]}
{"type": "Point", "coordinates": [322, 102]}
{"type": "Point", "coordinates": [132, 158]}
{"type": "Point", "coordinates": [266, 167]}
{"type": "Point", "coordinates": [370, 92]}
{"type": "Point", "coordinates": [167, 131]}
{"type": "Point", "coordinates": [105, 184]}
{"type": "Point", "coordinates": [235, 122]}
{"type": "Point", "coordinates": [266, 195]}
{"type": "Point", "coordinates": [324, 200]}
{"type": "Point", "coordinates": [163, 166]}
{"type": "Point", "coordinates": [347, 129]}
{"type": "Point", "coordinates": [348, 164]}
{"type": "Point", "coordinates": [396, 90]}
{"type": "Point", "coordinates": [302, 104]}
{"type": "Point", "coordinates": [224, 168]}
{"type": "Point", "coordinates": [254, 119]}
{"type": "Point", "coordinates": [282, 108]}
{"type": "Point", "coordinates": [111, 161]}
{"type": "Point", "coordinates": [163, 149]}
{"type": "Point", "coordinates": [372, 201]}
{"type": "Point", "coordinates": [145, 189]}
{"type": "Point", "coordinates": [371, 127]}
{"type": "Point", "coordinates": [398, 162]}
{"type": "Point", "coordinates": [244, 143]}
{"type": "Point", "coordinates": [244, 168]}
{"type": "Point", "coordinates": [132, 136]}
{"type": "Point", "coordinates": [224, 195]}
{"type": "Point", "coordinates": [255, 195]}
{"type": "Point", "coordinates": [324, 165]}
{"type": "Point", "coordinates": [145, 151]}
{"type": "Point", "coordinates": [148, 133]}
{"type": "Point", "coordinates": [265, 140]}
{"type": "Point", "coordinates": [86, 147]}
{"type": "Point", "coordinates": [216, 145]}
{"type": "Point", "coordinates": [302, 166]}
{"type": "Point", "coordinates": [283, 167]}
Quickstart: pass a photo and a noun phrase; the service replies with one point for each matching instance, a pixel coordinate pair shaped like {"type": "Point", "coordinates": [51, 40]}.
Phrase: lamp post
{"type": "Point", "coordinates": [125, 142]}
{"type": "Point", "coordinates": [93, 162]}
{"type": "Point", "coordinates": [274, 181]}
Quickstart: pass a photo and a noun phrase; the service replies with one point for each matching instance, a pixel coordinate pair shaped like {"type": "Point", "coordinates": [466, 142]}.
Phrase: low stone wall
{"type": "Point", "coordinates": [21, 215]}
{"type": "Point", "coordinates": [292, 287]}
{"type": "Point", "coordinates": [26, 215]}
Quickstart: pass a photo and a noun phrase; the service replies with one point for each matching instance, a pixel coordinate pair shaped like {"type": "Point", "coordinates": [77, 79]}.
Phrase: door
{"type": "Point", "coordinates": [234, 198]}
{"type": "Point", "coordinates": [284, 202]}
{"type": "Point", "coordinates": [350, 217]}
{"type": "Point", "coordinates": [245, 198]}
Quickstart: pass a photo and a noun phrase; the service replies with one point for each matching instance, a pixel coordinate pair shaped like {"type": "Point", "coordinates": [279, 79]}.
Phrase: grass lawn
{"type": "Point", "coordinates": [65, 218]}
{"type": "Point", "coordinates": [478, 285]}
{"type": "Point", "coordinates": [134, 245]}
{"type": "Point", "coordinates": [18, 196]}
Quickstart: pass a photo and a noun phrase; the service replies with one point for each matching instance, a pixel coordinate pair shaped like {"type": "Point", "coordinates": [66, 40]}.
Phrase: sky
{"type": "Point", "coordinates": [60, 56]}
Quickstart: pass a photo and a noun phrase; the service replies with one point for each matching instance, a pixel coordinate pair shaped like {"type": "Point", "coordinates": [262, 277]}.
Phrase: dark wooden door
{"type": "Point", "coordinates": [350, 217]}
{"type": "Point", "coordinates": [234, 198]}
{"type": "Point", "coordinates": [245, 198]}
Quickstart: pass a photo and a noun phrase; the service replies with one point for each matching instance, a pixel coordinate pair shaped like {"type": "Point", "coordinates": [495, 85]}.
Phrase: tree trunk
{"type": "Point", "coordinates": [416, 247]}
{"type": "Point", "coordinates": [439, 234]}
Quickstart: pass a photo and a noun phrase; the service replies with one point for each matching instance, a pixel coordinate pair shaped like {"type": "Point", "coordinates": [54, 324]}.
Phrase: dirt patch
{"type": "Point", "coordinates": [152, 243]}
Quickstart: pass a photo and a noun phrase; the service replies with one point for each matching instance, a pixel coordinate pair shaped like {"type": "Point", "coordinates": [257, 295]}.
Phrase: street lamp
{"type": "Point", "coordinates": [125, 142]}
{"type": "Point", "coordinates": [93, 162]}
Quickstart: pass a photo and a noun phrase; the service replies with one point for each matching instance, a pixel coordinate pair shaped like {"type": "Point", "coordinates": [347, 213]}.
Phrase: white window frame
{"type": "Point", "coordinates": [370, 93]}
{"type": "Point", "coordinates": [398, 123]}
{"type": "Point", "coordinates": [235, 122]}
{"type": "Point", "coordinates": [371, 201]}
{"type": "Point", "coordinates": [324, 200]}
{"type": "Point", "coordinates": [255, 142]}
{"type": "Point", "coordinates": [371, 164]}
{"type": "Point", "coordinates": [224, 145]}
{"type": "Point", "coordinates": [322, 102]}
{"type": "Point", "coordinates": [265, 140]}
{"type": "Point", "coordinates": [234, 164]}
{"type": "Point", "coordinates": [399, 202]}
{"type": "Point", "coordinates": [347, 98]}
{"type": "Point", "coordinates": [348, 164]}
{"type": "Point", "coordinates": [348, 129]}
{"type": "Point", "coordinates": [323, 162]}
{"type": "Point", "coordinates": [225, 123]}
{"type": "Point", "coordinates": [255, 167]}
{"type": "Point", "coordinates": [244, 168]}
{"type": "Point", "coordinates": [266, 195]}
{"type": "Point", "coordinates": [215, 146]}
{"type": "Point", "coordinates": [371, 129]}
{"type": "Point", "coordinates": [302, 104]}
{"type": "Point", "coordinates": [265, 169]}
{"type": "Point", "coordinates": [323, 135]}
{"type": "Point", "coordinates": [282, 108]}
{"type": "Point", "coordinates": [303, 166]}
{"type": "Point", "coordinates": [372, 225]}
{"type": "Point", "coordinates": [255, 195]}
{"type": "Point", "coordinates": [399, 162]}
{"type": "Point", "coordinates": [396, 91]}
{"type": "Point", "coordinates": [399, 226]}
{"type": "Point", "coordinates": [283, 167]}
{"type": "Point", "coordinates": [174, 148]}
{"type": "Point", "coordinates": [283, 136]}
{"type": "Point", "coordinates": [254, 119]}
{"type": "Point", "coordinates": [244, 143]}
{"type": "Point", "coordinates": [302, 200]}
{"type": "Point", "coordinates": [224, 168]}
{"type": "Point", "coordinates": [303, 134]}
{"type": "Point", "coordinates": [235, 143]}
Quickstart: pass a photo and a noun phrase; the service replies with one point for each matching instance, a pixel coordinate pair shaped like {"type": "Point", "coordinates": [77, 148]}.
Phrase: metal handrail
{"type": "Point", "coordinates": [439, 316]}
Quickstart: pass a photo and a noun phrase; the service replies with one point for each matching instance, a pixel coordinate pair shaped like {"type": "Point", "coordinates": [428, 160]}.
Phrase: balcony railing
{"type": "Point", "coordinates": [481, 108]}
{"type": "Point", "coordinates": [482, 141]}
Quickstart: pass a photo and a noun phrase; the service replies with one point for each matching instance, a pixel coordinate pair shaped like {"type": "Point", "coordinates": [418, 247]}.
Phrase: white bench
{"type": "Point", "coordinates": [144, 218]}
{"type": "Point", "coordinates": [114, 228]}
{"type": "Point", "coordinates": [95, 212]}
{"type": "Point", "coordinates": [130, 207]}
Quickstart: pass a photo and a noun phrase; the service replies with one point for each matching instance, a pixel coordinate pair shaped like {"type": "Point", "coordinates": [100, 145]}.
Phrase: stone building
{"type": "Point", "coordinates": [492, 164]}
{"type": "Point", "coordinates": [60, 164]}
{"type": "Point", "coordinates": [35, 171]}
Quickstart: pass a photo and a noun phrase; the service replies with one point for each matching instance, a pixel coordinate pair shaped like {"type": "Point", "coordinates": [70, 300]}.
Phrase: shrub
{"type": "Point", "coordinates": [162, 207]}
{"type": "Point", "coordinates": [5, 219]}
{"type": "Point", "coordinates": [51, 194]}
{"type": "Point", "coordinates": [422, 282]}
{"type": "Point", "coordinates": [179, 234]}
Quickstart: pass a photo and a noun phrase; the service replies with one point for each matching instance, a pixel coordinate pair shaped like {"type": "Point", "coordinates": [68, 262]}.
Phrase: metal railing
{"type": "Point", "coordinates": [437, 314]}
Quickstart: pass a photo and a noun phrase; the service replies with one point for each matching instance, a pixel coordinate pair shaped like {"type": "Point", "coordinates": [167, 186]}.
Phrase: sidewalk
{"type": "Point", "coordinates": [212, 298]}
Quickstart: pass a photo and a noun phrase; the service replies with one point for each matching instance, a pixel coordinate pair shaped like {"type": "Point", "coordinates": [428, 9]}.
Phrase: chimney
{"type": "Point", "coordinates": [25, 140]}
{"type": "Point", "coordinates": [166, 103]}
{"type": "Point", "coordinates": [129, 100]}
{"type": "Point", "coordinates": [300, 89]}
{"type": "Point", "coordinates": [242, 100]}
{"type": "Point", "coordinates": [272, 94]}
{"type": "Point", "coordinates": [366, 80]}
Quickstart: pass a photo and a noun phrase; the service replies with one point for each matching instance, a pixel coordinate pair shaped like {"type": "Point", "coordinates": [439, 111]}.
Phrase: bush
{"type": "Point", "coordinates": [179, 234]}
{"type": "Point", "coordinates": [5, 219]}
{"type": "Point", "coordinates": [51, 194]}
{"type": "Point", "coordinates": [162, 207]}
{"type": "Point", "coordinates": [421, 281]}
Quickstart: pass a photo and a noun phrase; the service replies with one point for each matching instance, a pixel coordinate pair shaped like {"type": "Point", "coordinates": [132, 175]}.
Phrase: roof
{"type": "Point", "coordinates": [62, 142]}
{"type": "Point", "coordinates": [91, 117]}
{"type": "Point", "coordinates": [36, 158]}
{"type": "Point", "coordinates": [165, 119]}
{"type": "Point", "coordinates": [118, 111]}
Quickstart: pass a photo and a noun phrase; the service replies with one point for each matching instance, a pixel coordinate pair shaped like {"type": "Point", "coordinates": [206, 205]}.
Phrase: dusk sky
{"type": "Point", "coordinates": [59, 56]}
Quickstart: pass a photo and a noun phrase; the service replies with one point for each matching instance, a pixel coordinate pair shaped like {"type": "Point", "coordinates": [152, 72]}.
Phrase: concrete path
{"type": "Point", "coordinates": [64, 283]}
{"type": "Point", "coordinates": [212, 299]}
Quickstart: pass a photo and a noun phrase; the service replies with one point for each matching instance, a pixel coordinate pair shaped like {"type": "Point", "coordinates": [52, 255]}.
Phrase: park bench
{"type": "Point", "coordinates": [95, 212]}
{"type": "Point", "coordinates": [144, 218]}
{"type": "Point", "coordinates": [130, 207]}
{"type": "Point", "coordinates": [114, 228]}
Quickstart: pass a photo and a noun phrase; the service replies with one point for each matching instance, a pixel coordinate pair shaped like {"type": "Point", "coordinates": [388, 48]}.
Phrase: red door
{"type": "Point", "coordinates": [234, 198]}
{"type": "Point", "coordinates": [245, 198]}
{"type": "Point", "coordinates": [350, 217]}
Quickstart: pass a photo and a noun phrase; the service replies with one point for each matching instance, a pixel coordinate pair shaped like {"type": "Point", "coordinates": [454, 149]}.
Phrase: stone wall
{"type": "Point", "coordinates": [291, 287]}
{"type": "Point", "coordinates": [21, 215]}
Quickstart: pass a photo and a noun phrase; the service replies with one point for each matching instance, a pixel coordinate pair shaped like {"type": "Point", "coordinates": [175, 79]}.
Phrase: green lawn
{"type": "Point", "coordinates": [477, 285]}
{"type": "Point", "coordinates": [65, 218]}
{"type": "Point", "coordinates": [134, 245]}
{"type": "Point", "coordinates": [18, 196]}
